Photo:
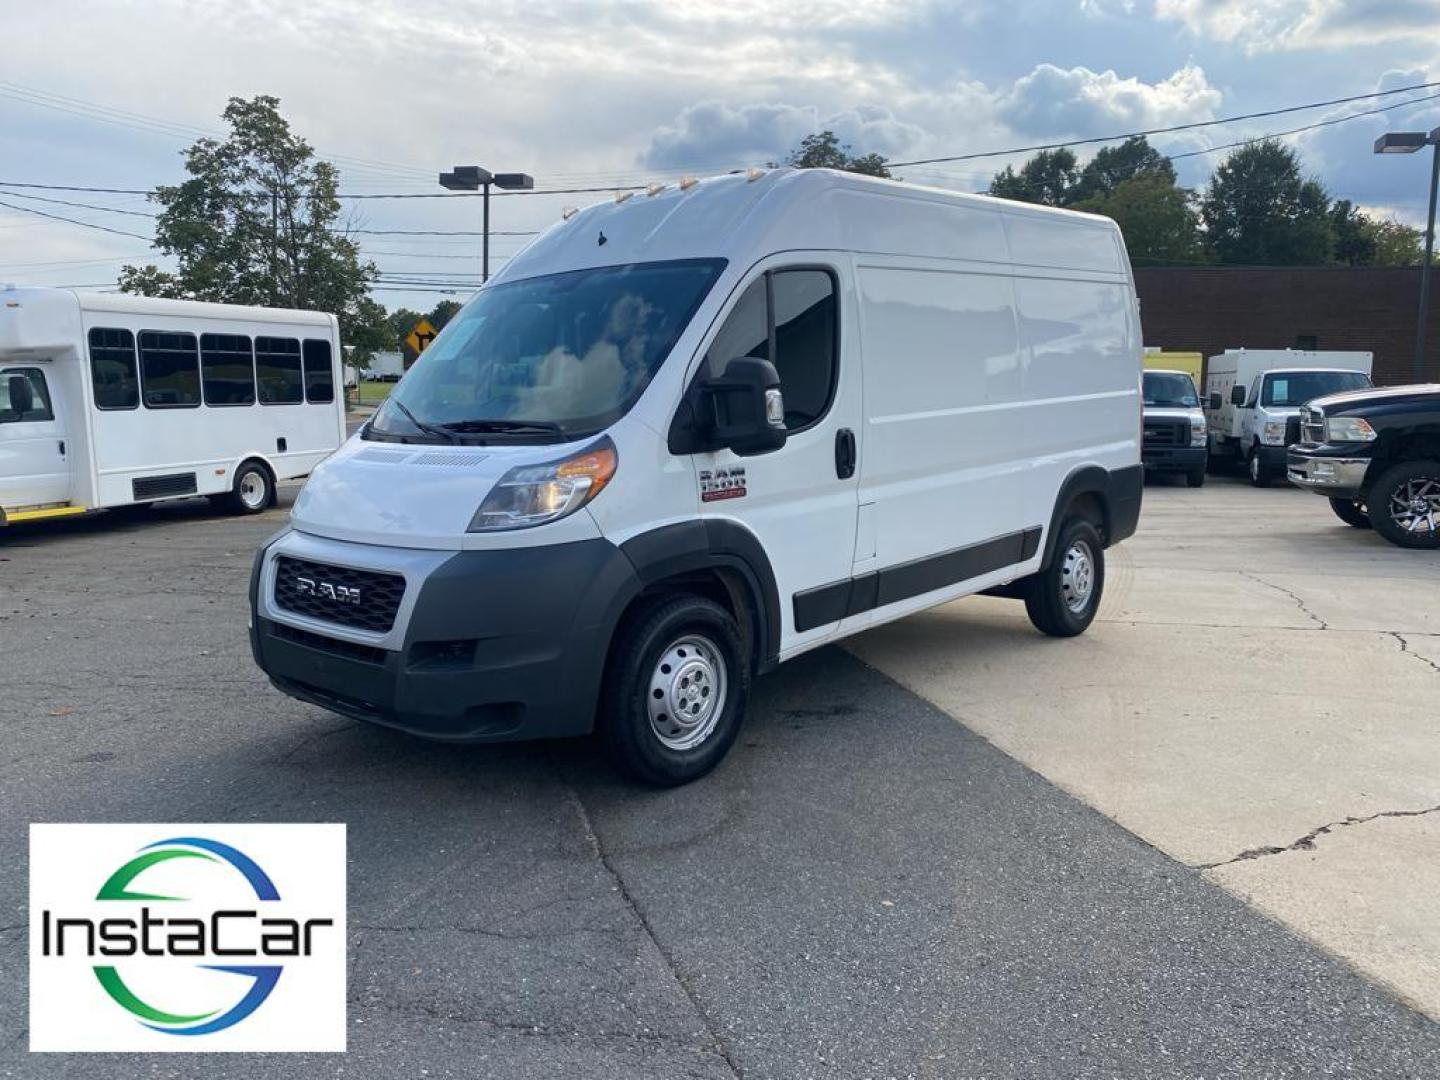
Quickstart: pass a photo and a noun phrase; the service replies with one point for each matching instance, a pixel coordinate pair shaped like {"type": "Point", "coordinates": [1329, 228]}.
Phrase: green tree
{"type": "Point", "coordinates": [1397, 244]}
{"type": "Point", "coordinates": [399, 323]}
{"type": "Point", "coordinates": [1260, 211]}
{"type": "Point", "coordinates": [443, 312]}
{"type": "Point", "coordinates": [1157, 218]}
{"type": "Point", "coordinates": [1049, 178]}
{"type": "Point", "coordinates": [1363, 240]}
{"type": "Point", "coordinates": [824, 150]}
{"type": "Point", "coordinates": [1114, 165]}
{"type": "Point", "coordinates": [257, 223]}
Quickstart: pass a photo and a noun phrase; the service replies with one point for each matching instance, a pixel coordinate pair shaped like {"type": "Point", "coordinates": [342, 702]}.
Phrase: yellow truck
{"type": "Point", "coordinates": [1192, 363]}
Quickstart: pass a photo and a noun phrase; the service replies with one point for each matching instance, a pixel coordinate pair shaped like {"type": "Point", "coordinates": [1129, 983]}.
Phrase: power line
{"type": "Point", "coordinates": [73, 221]}
{"type": "Point", "coordinates": [81, 205]}
{"type": "Point", "coordinates": [1161, 130]}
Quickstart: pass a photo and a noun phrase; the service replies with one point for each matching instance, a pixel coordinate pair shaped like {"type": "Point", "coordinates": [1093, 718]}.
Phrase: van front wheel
{"type": "Point", "coordinates": [676, 690]}
{"type": "Point", "coordinates": [253, 492]}
{"type": "Point", "coordinates": [1062, 599]}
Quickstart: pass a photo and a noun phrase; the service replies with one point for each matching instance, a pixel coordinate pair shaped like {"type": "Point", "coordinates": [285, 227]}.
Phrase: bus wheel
{"type": "Point", "coordinates": [253, 490]}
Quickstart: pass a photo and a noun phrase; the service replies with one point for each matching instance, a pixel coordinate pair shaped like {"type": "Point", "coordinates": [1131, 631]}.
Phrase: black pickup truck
{"type": "Point", "coordinates": [1376, 455]}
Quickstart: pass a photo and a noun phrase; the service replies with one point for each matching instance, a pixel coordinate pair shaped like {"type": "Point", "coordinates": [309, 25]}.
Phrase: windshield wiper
{"type": "Point", "coordinates": [504, 425]}
{"type": "Point", "coordinates": [429, 429]}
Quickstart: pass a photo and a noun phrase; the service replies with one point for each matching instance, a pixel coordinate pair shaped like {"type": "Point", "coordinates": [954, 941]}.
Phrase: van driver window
{"type": "Point", "coordinates": [802, 311]}
{"type": "Point", "coordinates": [24, 397]}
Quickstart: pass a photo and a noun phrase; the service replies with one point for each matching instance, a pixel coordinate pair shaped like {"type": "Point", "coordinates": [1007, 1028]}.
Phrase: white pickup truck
{"type": "Point", "coordinates": [1253, 400]}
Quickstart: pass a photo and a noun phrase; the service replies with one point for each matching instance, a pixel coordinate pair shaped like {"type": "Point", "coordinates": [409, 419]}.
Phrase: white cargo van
{"type": "Point", "coordinates": [112, 400]}
{"type": "Point", "coordinates": [1253, 399]}
{"type": "Point", "coordinates": [686, 436]}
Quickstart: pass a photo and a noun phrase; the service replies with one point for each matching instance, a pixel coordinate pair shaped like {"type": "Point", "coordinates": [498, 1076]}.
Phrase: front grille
{"type": "Point", "coordinates": [363, 599]}
{"type": "Point", "coordinates": [160, 487]}
{"type": "Point", "coordinates": [1292, 431]}
{"type": "Point", "coordinates": [1167, 432]}
{"type": "Point", "coordinates": [1312, 426]}
{"type": "Point", "coordinates": [365, 654]}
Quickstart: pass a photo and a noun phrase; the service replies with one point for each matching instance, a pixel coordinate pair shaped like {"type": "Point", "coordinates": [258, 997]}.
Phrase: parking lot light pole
{"type": "Point", "coordinates": [474, 178]}
{"type": "Point", "coordinates": [1409, 142]}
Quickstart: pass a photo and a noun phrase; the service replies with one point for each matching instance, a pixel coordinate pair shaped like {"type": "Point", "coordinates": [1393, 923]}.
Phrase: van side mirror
{"type": "Point", "coordinates": [1215, 400]}
{"type": "Point", "coordinates": [749, 411]}
{"type": "Point", "coordinates": [1237, 395]}
{"type": "Point", "coordinates": [21, 394]}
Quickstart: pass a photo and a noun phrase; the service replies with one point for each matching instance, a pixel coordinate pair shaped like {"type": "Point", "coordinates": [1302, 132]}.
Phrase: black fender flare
{"type": "Point", "coordinates": [714, 544]}
{"type": "Point", "coordinates": [1118, 492]}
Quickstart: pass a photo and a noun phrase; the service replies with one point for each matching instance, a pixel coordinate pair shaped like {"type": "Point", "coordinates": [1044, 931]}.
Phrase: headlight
{"type": "Point", "coordinates": [1197, 431]}
{"type": "Point", "coordinates": [1274, 432]}
{"type": "Point", "coordinates": [1348, 429]}
{"type": "Point", "coordinates": [531, 495]}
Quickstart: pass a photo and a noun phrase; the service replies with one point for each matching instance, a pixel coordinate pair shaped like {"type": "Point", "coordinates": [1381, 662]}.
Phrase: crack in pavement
{"type": "Point", "coordinates": [1300, 603]}
{"type": "Point", "coordinates": [1307, 842]}
{"type": "Point", "coordinates": [1405, 648]}
{"type": "Point", "coordinates": [592, 839]}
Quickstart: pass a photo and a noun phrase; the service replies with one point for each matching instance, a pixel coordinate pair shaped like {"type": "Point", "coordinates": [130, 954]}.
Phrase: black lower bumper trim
{"type": "Point", "coordinates": [1173, 459]}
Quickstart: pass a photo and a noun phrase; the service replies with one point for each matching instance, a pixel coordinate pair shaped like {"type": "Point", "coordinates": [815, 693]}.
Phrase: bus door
{"type": "Point", "coordinates": [34, 457]}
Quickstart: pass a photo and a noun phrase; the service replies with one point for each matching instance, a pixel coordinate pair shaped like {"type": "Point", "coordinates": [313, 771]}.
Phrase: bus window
{"type": "Point", "coordinates": [319, 380]}
{"type": "Point", "coordinates": [228, 369]}
{"type": "Point", "coordinates": [169, 370]}
{"type": "Point", "coordinates": [277, 371]}
{"type": "Point", "coordinates": [112, 369]}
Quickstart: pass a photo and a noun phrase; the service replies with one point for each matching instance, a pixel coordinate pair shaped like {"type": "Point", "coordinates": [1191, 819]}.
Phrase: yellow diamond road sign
{"type": "Point", "coordinates": [421, 334]}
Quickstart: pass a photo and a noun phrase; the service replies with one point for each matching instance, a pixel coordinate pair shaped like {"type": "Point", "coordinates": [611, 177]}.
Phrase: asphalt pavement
{"type": "Point", "coordinates": [863, 889]}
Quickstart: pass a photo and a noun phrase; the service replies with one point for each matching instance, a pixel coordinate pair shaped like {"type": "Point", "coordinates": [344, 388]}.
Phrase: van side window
{"type": "Point", "coordinates": [112, 369]}
{"type": "Point", "coordinates": [803, 302]}
{"type": "Point", "coordinates": [228, 367]}
{"type": "Point", "coordinates": [319, 381]}
{"type": "Point", "coordinates": [169, 370]}
{"type": "Point", "coordinates": [746, 331]}
{"type": "Point", "coordinates": [28, 401]}
{"type": "Point", "coordinates": [278, 372]}
{"type": "Point", "coordinates": [794, 327]}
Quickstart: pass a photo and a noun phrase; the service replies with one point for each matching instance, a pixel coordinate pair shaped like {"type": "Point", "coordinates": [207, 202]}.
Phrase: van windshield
{"type": "Point", "coordinates": [1164, 389]}
{"type": "Point", "coordinates": [1295, 388]}
{"type": "Point", "coordinates": [547, 358]}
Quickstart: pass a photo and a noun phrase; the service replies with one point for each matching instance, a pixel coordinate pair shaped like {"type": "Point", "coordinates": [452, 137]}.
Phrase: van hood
{"type": "Point", "coordinates": [407, 494]}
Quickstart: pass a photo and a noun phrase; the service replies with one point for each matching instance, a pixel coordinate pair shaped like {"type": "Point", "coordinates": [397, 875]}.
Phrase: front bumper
{"type": "Point", "coordinates": [1326, 473]}
{"type": "Point", "coordinates": [1173, 458]}
{"type": "Point", "coordinates": [486, 646]}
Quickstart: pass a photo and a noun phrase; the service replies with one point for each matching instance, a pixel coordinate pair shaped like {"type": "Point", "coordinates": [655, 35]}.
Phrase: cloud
{"type": "Point", "coordinates": [716, 136]}
{"type": "Point", "coordinates": [1077, 101]}
{"type": "Point", "coordinates": [1267, 25]}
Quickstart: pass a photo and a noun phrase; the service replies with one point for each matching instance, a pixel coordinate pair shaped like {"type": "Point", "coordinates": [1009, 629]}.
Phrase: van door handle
{"type": "Point", "coordinates": [845, 453]}
{"type": "Point", "coordinates": [62, 447]}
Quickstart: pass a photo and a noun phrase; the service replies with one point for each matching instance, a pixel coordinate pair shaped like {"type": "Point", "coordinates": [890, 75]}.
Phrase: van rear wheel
{"type": "Point", "coordinates": [253, 492]}
{"type": "Point", "coordinates": [676, 689]}
{"type": "Point", "coordinates": [1062, 599]}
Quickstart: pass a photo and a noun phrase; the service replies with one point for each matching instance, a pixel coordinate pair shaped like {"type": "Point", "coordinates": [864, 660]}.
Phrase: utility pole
{"type": "Point", "coordinates": [1410, 142]}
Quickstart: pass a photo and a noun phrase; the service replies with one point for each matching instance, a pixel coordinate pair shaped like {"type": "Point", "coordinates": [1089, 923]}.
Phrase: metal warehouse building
{"type": "Point", "coordinates": [1211, 308]}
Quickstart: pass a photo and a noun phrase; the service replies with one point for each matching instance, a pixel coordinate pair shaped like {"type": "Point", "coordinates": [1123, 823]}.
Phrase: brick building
{"type": "Point", "coordinates": [1210, 308]}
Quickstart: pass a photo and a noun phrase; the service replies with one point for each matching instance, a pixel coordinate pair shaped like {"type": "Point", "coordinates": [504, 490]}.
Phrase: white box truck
{"type": "Point", "coordinates": [1253, 400]}
{"type": "Point", "coordinates": [686, 436]}
{"type": "Point", "coordinates": [113, 400]}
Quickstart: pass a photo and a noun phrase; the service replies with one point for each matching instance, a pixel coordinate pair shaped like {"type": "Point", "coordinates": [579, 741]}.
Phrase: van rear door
{"type": "Point", "coordinates": [800, 500]}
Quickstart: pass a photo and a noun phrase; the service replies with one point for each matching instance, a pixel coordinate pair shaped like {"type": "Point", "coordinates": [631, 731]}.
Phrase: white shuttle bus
{"type": "Point", "coordinates": [113, 400]}
{"type": "Point", "coordinates": [689, 435]}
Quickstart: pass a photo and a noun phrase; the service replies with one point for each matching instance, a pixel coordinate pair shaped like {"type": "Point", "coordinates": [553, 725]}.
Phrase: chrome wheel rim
{"type": "Point", "coordinates": [1415, 505]}
{"type": "Point", "coordinates": [253, 490]}
{"type": "Point", "coordinates": [687, 692]}
{"type": "Point", "coordinates": [1077, 576]}
{"type": "Point", "coordinates": [1255, 466]}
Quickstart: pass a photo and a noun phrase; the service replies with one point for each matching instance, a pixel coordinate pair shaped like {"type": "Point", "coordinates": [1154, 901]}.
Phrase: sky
{"type": "Point", "coordinates": [615, 92]}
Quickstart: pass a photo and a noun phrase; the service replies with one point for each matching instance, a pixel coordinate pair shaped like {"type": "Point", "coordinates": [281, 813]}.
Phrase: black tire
{"type": "Point", "coordinates": [1258, 471]}
{"type": "Point", "coordinates": [1350, 512]}
{"type": "Point", "coordinates": [1050, 595]}
{"type": "Point", "coordinates": [686, 626]}
{"type": "Point", "coordinates": [1394, 502]}
{"type": "Point", "coordinates": [253, 490]}
{"type": "Point", "coordinates": [1196, 477]}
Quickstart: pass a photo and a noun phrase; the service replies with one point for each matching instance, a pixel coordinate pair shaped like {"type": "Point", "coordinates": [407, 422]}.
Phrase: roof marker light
{"type": "Point", "coordinates": [569, 212]}
{"type": "Point", "coordinates": [753, 174]}
{"type": "Point", "coordinates": [654, 189]}
{"type": "Point", "coordinates": [686, 183]}
{"type": "Point", "coordinates": [622, 196]}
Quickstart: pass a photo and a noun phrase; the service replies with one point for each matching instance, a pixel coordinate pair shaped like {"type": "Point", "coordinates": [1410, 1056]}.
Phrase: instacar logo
{"type": "Point", "coordinates": [188, 943]}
